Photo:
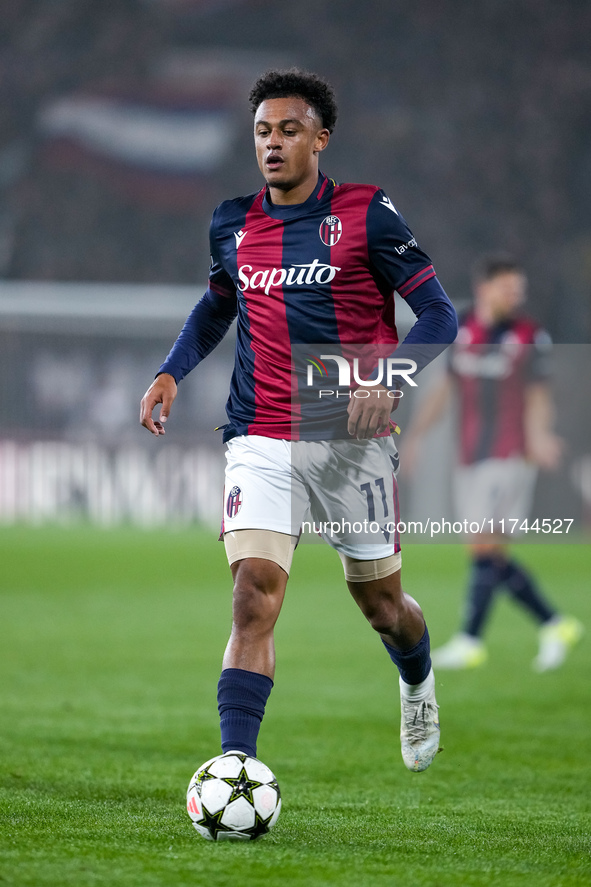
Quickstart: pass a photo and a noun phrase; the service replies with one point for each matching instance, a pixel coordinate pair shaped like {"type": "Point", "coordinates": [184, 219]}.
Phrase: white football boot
{"type": "Point", "coordinates": [461, 651]}
{"type": "Point", "coordinates": [419, 723]}
{"type": "Point", "coordinates": [557, 638]}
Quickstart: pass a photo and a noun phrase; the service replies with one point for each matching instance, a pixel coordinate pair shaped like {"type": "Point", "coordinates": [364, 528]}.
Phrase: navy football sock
{"type": "Point", "coordinates": [242, 696]}
{"type": "Point", "coordinates": [415, 664]}
{"type": "Point", "coordinates": [486, 576]}
{"type": "Point", "coordinates": [522, 588]}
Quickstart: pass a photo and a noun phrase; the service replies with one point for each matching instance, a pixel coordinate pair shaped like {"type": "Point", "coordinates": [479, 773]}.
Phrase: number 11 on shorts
{"type": "Point", "coordinates": [371, 509]}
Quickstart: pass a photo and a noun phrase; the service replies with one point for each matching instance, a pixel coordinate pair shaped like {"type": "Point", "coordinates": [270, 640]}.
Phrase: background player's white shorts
{"type": "Point", "coordinates": [495, 489]}
{"type": "Point", "coordinates": [344, 490]}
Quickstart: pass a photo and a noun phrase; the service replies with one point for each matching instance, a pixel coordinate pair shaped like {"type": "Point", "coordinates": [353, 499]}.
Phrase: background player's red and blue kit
{"type": "Point", "coordinates": [493, 365]}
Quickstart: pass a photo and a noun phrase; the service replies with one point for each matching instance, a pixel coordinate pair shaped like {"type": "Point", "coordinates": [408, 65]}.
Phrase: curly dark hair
{"type": "Point", "coordinates": [293, 82]}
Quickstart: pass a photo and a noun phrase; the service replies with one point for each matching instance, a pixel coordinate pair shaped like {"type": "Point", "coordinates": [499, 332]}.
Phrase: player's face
{"type": "Point", "coordinates": [288, 137]}
{"type": "Point", "coordinates": [502, 295]}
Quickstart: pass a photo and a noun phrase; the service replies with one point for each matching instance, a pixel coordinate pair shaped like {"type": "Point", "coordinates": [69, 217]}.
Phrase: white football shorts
{"type": "Point", "coordinates": [345, 491]}
{"type": "Point", "coordinates": [495, 490]}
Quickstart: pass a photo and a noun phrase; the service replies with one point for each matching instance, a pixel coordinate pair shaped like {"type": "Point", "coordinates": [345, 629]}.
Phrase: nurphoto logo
{"type": "Point", "coordinates": [388, 373]}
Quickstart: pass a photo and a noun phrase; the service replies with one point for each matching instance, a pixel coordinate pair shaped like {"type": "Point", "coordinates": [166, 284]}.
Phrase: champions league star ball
{"type": "Point", "coordinates": [233, 797]}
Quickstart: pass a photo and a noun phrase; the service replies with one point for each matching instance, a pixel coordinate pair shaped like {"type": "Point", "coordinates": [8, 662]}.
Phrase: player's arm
{"type": "Point", "coordinates": [436, 327]}
{"type": "Point", "coordinates": [205, 327]}
{"type": "Point", "coordinates": [398, 260]}
{"type": "Point", "coordinates": [207, 324]}
{"type": "Point", "coordinates": [542, 446]}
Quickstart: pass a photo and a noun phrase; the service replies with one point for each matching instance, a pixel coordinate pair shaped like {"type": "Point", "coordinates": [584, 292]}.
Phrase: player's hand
{"type": "Point", "coordinates": [162, 390]}
{"type": "Point", "coordinates": [370, 415]}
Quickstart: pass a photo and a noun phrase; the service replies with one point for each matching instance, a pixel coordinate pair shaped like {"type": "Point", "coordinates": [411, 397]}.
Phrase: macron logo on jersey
{"type": "Point", "coordinates": [385, 201]}
{"type": "Point", "coordinates": [239, 235]}
{"type": "Point", "coordinates": [297, 275]}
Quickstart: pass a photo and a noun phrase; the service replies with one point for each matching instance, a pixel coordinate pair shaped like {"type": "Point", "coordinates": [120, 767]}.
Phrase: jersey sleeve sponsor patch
{"type": "Point", "coordinates": [393, 249]}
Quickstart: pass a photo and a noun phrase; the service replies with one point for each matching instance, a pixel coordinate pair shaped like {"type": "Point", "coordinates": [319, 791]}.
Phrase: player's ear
{"type": "Point", "coordinates": [321, 141]}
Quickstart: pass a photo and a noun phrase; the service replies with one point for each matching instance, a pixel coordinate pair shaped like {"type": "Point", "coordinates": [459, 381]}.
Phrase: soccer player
{"type": "Point", "coordinates": [303, 261]}
{"type": "Point", "coordinates": [498, 368]}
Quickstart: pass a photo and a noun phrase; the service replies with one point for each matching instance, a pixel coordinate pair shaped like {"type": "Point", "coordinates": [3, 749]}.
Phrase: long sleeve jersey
{"type": "Point", "coordinates": [304, 280]}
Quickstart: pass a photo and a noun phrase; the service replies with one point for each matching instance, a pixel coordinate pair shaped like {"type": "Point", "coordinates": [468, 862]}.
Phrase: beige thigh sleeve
{"type": "Point", "coordinates": [266, 544]}
{"type": "Point", "coordinates": [365, 571]}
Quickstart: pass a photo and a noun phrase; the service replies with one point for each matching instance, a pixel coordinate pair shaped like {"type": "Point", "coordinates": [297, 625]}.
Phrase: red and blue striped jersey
{"type": "Point", "coordinates": [493, 365]}
{"type": "Point", "coordinates": [323, 271]}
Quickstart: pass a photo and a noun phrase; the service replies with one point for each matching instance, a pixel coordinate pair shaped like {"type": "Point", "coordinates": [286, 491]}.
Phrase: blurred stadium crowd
{"type": "Point", "coordinates": [476, 118]}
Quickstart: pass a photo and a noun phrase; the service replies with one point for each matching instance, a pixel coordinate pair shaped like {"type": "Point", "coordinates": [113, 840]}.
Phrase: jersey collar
{"type": "Point", "coordinates": [291, 210]}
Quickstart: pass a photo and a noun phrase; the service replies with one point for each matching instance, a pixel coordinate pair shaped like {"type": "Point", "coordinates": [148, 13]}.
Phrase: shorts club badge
{"type": "Point", "coordinates": [234, 502]}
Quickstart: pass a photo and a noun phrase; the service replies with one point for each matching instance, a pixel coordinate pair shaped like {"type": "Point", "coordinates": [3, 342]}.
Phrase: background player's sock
{"type": "Point", "coordinates": [523, 589]}
{"type": "Point", "coordinates": [487, 574]}
{"type": "Point", "coordinates": [242, 696]}
{"type": "Point", "coordinates": [414, 665]}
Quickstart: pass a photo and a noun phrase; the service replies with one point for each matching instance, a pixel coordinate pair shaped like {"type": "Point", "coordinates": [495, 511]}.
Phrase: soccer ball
{"type": "Point", "coordinates": [233, 797]}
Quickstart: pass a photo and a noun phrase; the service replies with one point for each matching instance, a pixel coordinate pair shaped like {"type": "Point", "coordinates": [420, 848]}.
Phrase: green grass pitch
{"type": "Point", "coordinates": [110, 649]}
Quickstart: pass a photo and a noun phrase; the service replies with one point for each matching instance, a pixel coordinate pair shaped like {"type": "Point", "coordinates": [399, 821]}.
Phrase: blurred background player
{"type": "Point", "coordinates": [498, 368]}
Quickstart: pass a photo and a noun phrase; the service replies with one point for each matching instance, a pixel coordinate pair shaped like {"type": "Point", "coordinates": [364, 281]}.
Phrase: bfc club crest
{"type": "Point", "coordinates": [330, 230]}
{"type": "Point", "coordinates": [234, 502]}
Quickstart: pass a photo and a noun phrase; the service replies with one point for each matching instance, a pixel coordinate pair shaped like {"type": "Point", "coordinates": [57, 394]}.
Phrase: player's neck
{"type": "Point", "coordinates": [293, 196]}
